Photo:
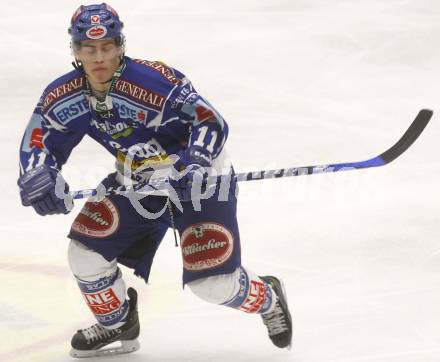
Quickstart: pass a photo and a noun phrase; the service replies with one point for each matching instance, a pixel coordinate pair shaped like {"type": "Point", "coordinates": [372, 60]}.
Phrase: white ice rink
{"type": "Point", "coordinates": [301, 82]}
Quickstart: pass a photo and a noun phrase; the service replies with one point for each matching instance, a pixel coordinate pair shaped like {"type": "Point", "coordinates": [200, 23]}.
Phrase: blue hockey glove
{"type": "Point", "coordinates": [45, 190]}
{"type": "Point", "coordinates": [196, 173]}
{"type": "Point", "coordinates": [195, 177]}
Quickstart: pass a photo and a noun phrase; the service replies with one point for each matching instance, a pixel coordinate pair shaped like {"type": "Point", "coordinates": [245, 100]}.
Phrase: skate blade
{"type": "Point", "coordinates": [289, 347]}
{"type": "Point", "coordinates": [125, 347]}
{"type": "Point", "coordinates": [283, 288]}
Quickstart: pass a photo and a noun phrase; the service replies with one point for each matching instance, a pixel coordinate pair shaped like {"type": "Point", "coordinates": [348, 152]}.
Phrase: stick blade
{"type": "Point", "coordinates": [411, 134]}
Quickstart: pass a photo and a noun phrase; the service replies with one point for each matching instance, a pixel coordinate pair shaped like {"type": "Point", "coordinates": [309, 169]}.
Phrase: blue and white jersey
{"type": "Point", "coordinates": [151, 111]}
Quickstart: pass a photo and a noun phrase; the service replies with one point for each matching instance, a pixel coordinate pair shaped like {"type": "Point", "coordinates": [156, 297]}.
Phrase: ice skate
{"type": "Point", "coordinates": [279, 321]}
{"type": "Point", "coordinates": [90, 342]}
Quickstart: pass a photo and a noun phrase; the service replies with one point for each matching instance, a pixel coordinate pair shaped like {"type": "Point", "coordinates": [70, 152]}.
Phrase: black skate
{"type": "Point", "coordinates": [89, 342]}
{"type": "Point", "coordinates": [279, 321]}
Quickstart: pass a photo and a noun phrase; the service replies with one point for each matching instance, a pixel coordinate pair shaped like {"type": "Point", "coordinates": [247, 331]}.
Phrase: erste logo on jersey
{"type": "Point", "coordinates": [97, 219]}
{"type": "Point", "coordinates": [205, 246]}
{"type": "Point", "coordinates": [128, 110]}
{"type": "Point", "coordinates": [70, 109]}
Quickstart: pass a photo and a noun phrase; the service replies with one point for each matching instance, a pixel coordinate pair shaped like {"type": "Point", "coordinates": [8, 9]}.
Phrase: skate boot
{"type": "Point", "coordinates": [89, 342]}
{"type": "Point", "coordinates": [279, 321]}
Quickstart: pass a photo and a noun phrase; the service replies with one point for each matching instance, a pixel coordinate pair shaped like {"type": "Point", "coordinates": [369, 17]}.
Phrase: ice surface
{"type": "Point", "coordinates": [300, 82]}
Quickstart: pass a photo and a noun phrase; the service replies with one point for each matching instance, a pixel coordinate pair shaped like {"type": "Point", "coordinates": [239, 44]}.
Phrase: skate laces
{"type": "Point", "coordinates": [275, 321]}
{"type": "Point", "coordinates": [98, 332]}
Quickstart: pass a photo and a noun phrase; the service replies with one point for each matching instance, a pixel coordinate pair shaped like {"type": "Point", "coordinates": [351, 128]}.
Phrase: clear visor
{"type": "Point", "coordinates": [98, 50]}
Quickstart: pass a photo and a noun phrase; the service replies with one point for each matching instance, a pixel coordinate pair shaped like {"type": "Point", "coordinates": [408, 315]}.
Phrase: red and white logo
{"type": "Point", "coordinates": [255, 298]}
{"type": "Point", "coordinates": [98, 220]}
{"type": "Point", "coordinates": [206, 246]}
{"type": "Point", "coordinates": [95, 19]}
{"type": "Point", "coordinates": [37, 138]}
{"type": "Point", "coordinates": [104, 302]}
{"type": "Point", "coordinates": [141, 115]}
{"type": "Point", "coordinates": [204, 114]}
{"type": "Point", "coordinates": [97, 32]}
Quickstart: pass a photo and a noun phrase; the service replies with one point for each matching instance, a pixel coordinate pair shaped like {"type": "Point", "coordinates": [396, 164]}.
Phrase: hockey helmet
{"type": "Point", "coordinates": [93, 22]}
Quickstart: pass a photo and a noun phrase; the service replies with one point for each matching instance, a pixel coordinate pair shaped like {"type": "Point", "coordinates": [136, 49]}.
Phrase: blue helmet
{"type": "Point", "coordinates": [91, 22]}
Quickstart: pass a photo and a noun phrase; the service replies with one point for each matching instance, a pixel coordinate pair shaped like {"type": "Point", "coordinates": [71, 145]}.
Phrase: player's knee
{"type": "Point", "coordinates": [216, 289]}
{"type": "Point", "coordinates": [86, 263]}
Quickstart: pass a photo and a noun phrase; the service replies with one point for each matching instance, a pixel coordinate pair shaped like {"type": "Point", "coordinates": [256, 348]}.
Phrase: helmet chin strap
{"type": "Point", "coordinates": [77, 64]}
{"type": "Point", "coordinates": [108, 81]}
{"type": "Point", "coordinates": [111, 79]}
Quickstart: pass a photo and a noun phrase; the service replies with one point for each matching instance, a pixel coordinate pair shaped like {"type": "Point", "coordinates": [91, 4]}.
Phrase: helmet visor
{"type": "Point", "coordinates": [98, 50]}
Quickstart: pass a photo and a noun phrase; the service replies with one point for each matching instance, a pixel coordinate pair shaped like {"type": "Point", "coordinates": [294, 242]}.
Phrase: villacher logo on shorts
{"type": "Point", "coordinates": [97, 220]}
{"type": "Point", "coordinates": [205, 246]}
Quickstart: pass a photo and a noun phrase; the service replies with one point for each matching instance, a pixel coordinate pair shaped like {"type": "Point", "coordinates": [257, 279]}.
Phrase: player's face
{"type": "Point", "coordinates": [100, 59]}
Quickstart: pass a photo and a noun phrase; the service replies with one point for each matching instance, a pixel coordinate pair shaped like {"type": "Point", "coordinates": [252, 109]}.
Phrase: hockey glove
{"type": "Point", "coordinates": [45, 190]}
{"type": "Point", "coordinates": [193, 179]}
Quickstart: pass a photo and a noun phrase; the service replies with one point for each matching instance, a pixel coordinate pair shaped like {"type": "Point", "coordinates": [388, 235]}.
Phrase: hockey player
{"type": "Point", "coordinates": [150, 117]}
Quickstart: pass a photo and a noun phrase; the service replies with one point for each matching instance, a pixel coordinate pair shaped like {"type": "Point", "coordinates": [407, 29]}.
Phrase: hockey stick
{"type": "Point", "coordinates": [408, 138]}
